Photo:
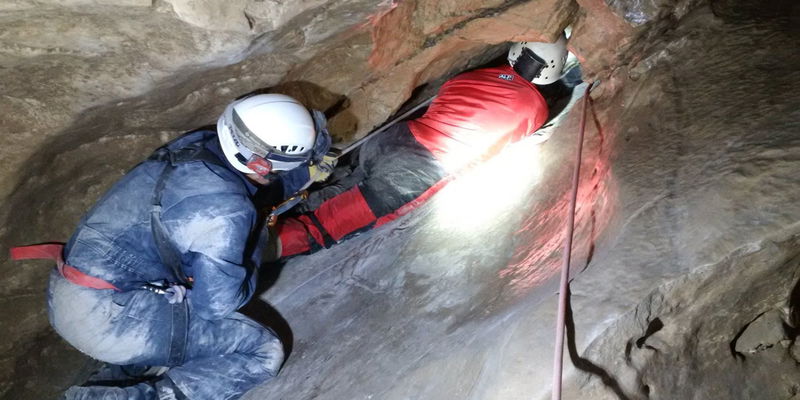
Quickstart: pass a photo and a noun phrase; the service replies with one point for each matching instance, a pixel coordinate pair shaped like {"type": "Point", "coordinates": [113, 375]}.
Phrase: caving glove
{"type": "Point", "coordinates": [322, 169]}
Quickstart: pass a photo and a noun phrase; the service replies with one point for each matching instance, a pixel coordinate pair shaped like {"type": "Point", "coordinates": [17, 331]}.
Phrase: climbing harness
{"type": "Point", "coordinates": [169, 254]}
{"type": "Point", "coordinates": [562, 294]}
{"type": "Point", "coordinates": [54, 252]}
{"type": "Point", "coordinates": [166, 249]}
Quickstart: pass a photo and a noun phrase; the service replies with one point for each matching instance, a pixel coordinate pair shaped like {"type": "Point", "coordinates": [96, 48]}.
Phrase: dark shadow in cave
{"type": "Point", "coordinates": [558, 94]}
{"type": "Point", "coordinates": [584, 364]}
{"type": "Point", "coordinates": [263, 313]}
{"type": "Point", "coordinates": [652, 328]}
{"type": "Point", "coordinates": [794, 309]}
{"type": "Point", "coordinates": [784, 12]}
{"type": "Point", "coordinates": [593, 216]}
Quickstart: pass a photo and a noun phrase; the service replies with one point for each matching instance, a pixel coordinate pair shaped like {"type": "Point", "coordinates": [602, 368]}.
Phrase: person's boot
{"type": "Point", "coordinates": [162, 389]}
{"type": "Point", "coordinates": [141, 391]}
{"type": "Point", "coordinates": [124, 375]}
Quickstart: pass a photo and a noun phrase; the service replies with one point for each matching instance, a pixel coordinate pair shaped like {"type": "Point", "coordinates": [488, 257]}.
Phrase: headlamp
{"type": "Point", "coordinates": [259, 165]}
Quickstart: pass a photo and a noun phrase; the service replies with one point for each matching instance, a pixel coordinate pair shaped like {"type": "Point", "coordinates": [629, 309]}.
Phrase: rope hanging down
{"type": "Point", "coordinates": [562, 294]}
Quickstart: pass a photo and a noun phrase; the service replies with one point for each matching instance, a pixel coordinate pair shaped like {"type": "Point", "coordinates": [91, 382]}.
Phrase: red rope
{"type": "Point", "coordinates": [562, 294]}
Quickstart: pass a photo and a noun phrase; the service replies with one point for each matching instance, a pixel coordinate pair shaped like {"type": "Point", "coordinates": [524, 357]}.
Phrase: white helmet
{"type": "Point", "coordinates": [266, 132]}
{"type": "Point", "coordinates": [547, 58]}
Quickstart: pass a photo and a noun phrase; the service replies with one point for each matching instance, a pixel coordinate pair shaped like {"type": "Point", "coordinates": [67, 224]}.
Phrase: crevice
{"type": "Point", "coordinates": [431, 41]}
{"type": "Point", "coordinates": [738, 355]}
{"type": "Point", "coordinates": [654, 326]}
{"type": "Point", "coordinates": [251, 22]}
{"type": "Point", "coordinates": [794, 308]}
{"type": "Point", "coordinates": [585, 364]}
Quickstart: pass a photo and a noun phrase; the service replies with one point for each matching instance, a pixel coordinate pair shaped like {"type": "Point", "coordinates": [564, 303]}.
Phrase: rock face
{"type": "Point", "coordinates": [692, 338]}
{"type": "Point", "coordinates": [686, 247]}
{"type": "Point", "coordinates": [718, 259]}
{"type": "Point", "coordinates": [765, 332]}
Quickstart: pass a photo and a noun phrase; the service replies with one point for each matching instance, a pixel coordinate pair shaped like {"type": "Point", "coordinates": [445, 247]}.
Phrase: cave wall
{"type": "Point", "coordinates": [704, 239]}
{"type": "Point", "coordinates": [89, 88]}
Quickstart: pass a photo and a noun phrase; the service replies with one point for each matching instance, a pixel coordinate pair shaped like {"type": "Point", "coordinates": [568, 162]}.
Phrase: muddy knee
{"type": "Point", "coordinates": [271, 354]}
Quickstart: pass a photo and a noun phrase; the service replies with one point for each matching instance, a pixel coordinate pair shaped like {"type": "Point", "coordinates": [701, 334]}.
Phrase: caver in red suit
{"type": "Point", "coordinates": [473, 117]}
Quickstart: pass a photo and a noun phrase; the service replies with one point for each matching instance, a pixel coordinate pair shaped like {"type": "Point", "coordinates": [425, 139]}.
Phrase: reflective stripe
{"type": "Point", "coordinates": [243, 137]}
{"type": "Point", "coordinates": [288, 158]}
{"type": "Point", "coordinates": [247, 141]}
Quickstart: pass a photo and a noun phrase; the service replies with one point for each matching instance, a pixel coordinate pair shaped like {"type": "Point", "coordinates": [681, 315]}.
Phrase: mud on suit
{"type": "Point", "coordinates": [473, 117]}
{"type": "Point", "coordinates": [213, 351]}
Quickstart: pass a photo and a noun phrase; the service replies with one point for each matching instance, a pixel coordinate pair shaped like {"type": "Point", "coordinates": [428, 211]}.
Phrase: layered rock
{"type": "Point", "coordinates": [689, 160]}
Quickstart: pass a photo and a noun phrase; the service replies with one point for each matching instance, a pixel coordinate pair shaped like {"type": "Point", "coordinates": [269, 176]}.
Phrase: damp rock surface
{"type": "Point", "coordinates": [89, 88]}
{"type": "Point", "coordinates": [686, 237]}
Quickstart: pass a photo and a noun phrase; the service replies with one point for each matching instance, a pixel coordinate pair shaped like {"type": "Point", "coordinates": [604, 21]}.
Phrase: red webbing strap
{"type": "Point", "coordinates": [345, 213]}
{"type": "Point", "coordinates": [53, 251]}
{"type": "Point", "coordinates": [294, 237]}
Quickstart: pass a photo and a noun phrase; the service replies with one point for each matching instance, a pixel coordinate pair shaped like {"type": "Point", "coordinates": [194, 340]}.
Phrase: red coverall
{"type": "Point", "coordinates": [473, 117]}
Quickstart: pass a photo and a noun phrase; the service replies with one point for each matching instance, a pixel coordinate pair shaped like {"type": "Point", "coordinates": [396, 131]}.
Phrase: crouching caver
{"type": "Point", "coordinates": [473, 116]}
{"type": "Point", "coordinates": [156, 270]}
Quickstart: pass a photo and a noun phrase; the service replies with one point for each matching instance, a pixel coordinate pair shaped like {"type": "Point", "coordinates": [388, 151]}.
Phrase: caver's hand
{"type": "Point", "coordinates": [175, 294]}
{"type": "Point", "coordinates": [321, 170]}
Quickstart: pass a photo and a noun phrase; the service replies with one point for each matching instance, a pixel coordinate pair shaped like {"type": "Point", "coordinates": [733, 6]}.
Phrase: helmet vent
{"type": "Point", "coordinates": [291, 149]}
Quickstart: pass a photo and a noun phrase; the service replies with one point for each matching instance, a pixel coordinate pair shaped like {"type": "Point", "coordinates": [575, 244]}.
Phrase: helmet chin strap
{"type": "Point", "coordinates": [529, 65]}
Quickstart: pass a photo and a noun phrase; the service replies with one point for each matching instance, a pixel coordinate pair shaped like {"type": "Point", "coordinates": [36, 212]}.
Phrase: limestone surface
{"type": "Point", "coordinates": [686, 242]}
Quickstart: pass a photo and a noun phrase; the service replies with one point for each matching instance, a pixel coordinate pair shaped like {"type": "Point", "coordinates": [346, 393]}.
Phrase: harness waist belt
{"type": "Point", "coordinates": [53, 251]}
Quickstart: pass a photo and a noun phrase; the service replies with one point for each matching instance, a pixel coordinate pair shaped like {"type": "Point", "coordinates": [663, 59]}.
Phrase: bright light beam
{"type": "Point", "coordinates": [491, 189]}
